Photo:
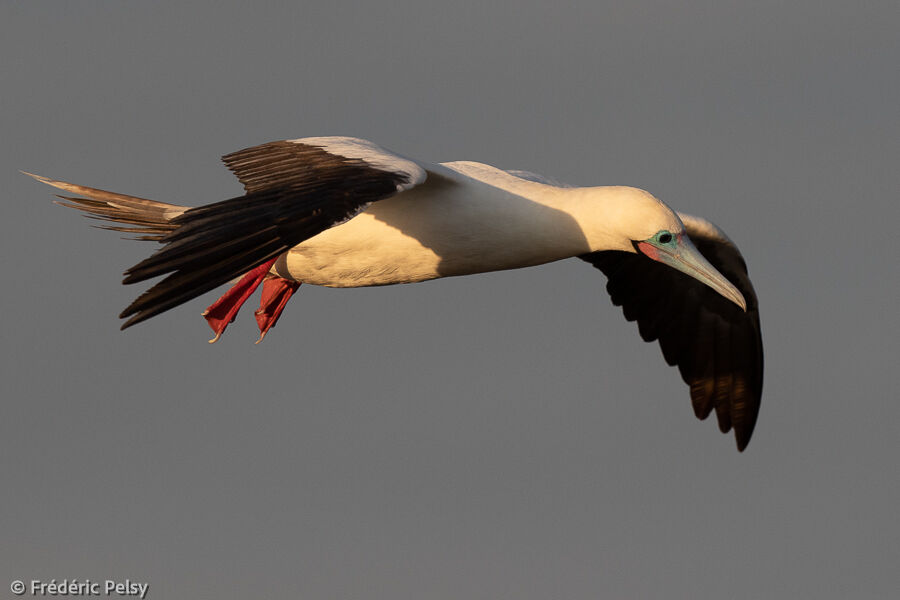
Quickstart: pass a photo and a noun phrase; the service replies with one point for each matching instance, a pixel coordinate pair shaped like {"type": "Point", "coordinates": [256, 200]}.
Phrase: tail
{"type": "Point", "coordinates": [145, 219]}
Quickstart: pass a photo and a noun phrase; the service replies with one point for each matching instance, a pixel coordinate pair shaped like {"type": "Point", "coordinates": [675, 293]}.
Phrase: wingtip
{"type": "Point", "coordinates": [134, 320]}
{"type": "Point", "coordinates": [134, 315]}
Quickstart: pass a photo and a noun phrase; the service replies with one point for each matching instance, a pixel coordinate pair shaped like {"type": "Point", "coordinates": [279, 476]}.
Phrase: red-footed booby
{"type": "Point", "coordinates": [344, 212]}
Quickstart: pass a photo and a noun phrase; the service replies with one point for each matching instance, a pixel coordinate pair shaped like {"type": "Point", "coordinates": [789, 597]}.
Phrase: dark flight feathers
{"type": "Point", "coordinates": [716, 346]}
{"type": "Point", "coordinates": [294, 192]}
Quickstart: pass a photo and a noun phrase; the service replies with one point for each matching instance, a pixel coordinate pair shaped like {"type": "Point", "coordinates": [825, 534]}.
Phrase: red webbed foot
{"type": "Point", "coordinates": [223, 311]}
{"type": "Point", "coordinates": [275, 295]}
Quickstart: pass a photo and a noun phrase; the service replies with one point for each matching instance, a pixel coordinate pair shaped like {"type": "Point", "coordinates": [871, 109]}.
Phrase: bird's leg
{"type": "Point", "coordinates": [223, 311]}
{"type": "Point", "coordinates": [275, 295]}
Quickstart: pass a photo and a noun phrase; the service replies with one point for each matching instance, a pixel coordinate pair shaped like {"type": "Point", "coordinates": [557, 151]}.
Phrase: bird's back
{"type": "Point", "coordinates": [466, 218]}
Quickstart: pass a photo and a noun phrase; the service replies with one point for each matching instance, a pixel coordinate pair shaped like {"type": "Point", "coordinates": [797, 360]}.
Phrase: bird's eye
{"type": "Point", "coordinates": [664, 237]}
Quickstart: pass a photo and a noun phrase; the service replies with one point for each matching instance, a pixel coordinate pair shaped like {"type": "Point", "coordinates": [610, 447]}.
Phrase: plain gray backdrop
{"type": "Point", "coordinates": [498, 436]}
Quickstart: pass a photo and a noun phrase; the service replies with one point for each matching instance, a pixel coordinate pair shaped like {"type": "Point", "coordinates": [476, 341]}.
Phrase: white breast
{"type": "Point", "coordinates": [453, 224]}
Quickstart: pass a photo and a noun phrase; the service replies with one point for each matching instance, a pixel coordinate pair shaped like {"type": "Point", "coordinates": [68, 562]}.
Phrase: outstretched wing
{"type": "Point", "coordinates": [716, 345]}
{"type": "Point", "coordinates": [295, 190]}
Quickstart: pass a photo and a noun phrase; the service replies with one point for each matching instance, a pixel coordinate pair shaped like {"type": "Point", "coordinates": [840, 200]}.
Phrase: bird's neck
{"type": "Point", "coordinates": [601, 212]}
{"type": "Point", "coordinates": [580, 220]}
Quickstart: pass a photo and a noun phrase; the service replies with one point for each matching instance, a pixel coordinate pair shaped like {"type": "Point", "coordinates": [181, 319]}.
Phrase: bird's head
{"type": "Point", "coordinates": [640, 223]}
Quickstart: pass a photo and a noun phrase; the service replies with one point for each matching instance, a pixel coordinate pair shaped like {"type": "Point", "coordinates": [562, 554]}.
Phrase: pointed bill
{"type": "Point", "coordinates": [686, 258]}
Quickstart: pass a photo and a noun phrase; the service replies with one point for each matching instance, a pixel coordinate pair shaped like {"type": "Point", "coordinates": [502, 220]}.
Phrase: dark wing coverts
{"type": "Point", "coordinates": [716, 345]}
{"type": "Point", "coordinates": [295, 190]}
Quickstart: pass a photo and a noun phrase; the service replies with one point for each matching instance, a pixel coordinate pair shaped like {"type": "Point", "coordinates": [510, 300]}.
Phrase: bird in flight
{"type": "Point", "coordinates": [344, 212]}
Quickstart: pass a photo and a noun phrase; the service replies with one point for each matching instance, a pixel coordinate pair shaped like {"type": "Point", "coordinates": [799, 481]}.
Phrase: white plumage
{"type": "Point", "coordinates": [344, 212]}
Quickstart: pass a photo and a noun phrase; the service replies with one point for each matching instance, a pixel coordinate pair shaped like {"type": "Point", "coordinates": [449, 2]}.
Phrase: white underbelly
{"type": "Point", "coordinates": [361, 252]}
{"type": "Point", "coordinates": [434, 232]}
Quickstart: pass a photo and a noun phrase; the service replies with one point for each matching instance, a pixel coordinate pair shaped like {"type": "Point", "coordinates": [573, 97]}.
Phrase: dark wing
{"type": "Point", "coordinates": [716, 345]}
{"type": "Point", "coordinates": [295, 189]}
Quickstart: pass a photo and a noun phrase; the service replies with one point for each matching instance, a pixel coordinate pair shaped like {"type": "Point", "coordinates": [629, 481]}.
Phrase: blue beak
{"type": "Point", "coordinates": [686, 258]}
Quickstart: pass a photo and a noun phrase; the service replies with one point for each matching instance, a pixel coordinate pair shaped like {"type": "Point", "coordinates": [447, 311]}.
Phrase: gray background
{"type": "Point", "coordinates": [498, 436]}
